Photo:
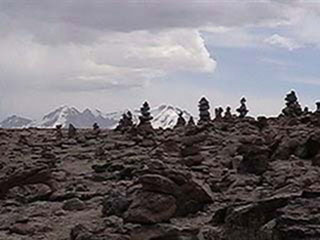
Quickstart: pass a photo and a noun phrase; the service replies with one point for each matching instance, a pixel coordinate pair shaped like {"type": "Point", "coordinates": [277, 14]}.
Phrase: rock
{"type": "Point", "coordinates": [125, 122]}
{"type": "Point", "coordinates": [293, 108]}
{"type": "Point", "coordinates": [218, 113]}
{"type": "Point", "coordinates": [204, 112]}
{"type": "Point", "coordinates": [22, 229]}
{"type": "Point", "coordinates": [191, 195]}
{"type": "Point", "coordinates": [191, 161]}
{"type": "Point", "coordinates": [150, 208]}
{"type": "Point", "coordinates": [115, 204]}
{"type": "Point", "coordinates": [247, 221]}
{"type": "Point", "coordinates": [255, 158]}
{"type": "Point", "coordinates": [74, 204]}
{"type": "Point", "coordinates": [181, 122]}
{"type": "Point", "coordinates": [80, 232]}
{"type": "Point", "coordinates": [165, 232]}
{"type": "Point", "coordinates": [158, 183]}
{"type": "Point", "coordinates": [72, 131]}
{"type": "Point", "coordinates": [145, 117]}
{"type": "Point", "coordinates": [242, 110]}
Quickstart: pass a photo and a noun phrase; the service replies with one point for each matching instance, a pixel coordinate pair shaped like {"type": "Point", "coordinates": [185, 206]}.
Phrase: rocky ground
{"type": "Point", "coordinates": [228, 179]}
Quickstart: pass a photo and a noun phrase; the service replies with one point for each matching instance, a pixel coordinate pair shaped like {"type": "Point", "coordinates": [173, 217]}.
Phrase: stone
{"type": "Point", "coordinates": [144, 127]}
{"type": "Point", "coordinates": [126, 122]}
{"type": "Point", "coordinates": [181, 122]}
{"type": "Point", "coordinates": [191, 195]}
{"type": "Point", "coordinates": [191, 123]}
{"type": "Point", "coordinates": [80, 232]}
{"type": "Point", "coordinates": [58, 133]}
{"type": "Point", "coordinates": [158, 183]}
{"type": "Point", "coordinates": [145, 113]}
{"type": "Point", "coordinates": [228, 114]}
{"type": "Point", "coordinates": [72, 131]}
{"type": "Point", "coordinates": [151, 208]}
{"type": "Point", "coordinates": [242, 110]}
{"type": "Point", "coordinates": [95, 126]}
{"type": "Point", "coordinates": [218, 113]}
{"type": "Point", "coordinates": [317, 107]}
{"type": "Point", "coordinates": [73, 204]}
{"type": "Point", "coordinates": [293, 108]}
{"type": "Point", "coordinates": [204, 112]}
{"type": "Point", "coordinates": [255, 158]}
{"type": "Point", "coordinates": [115, 204]}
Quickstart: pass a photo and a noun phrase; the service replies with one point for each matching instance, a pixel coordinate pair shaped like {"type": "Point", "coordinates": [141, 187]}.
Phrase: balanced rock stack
{"type": "Point", "coordinates": [242, 110]}
{"type": "Point", "coordinates": [125, 122]}
{"type": "Point", "coordinates": [191, 123]}
{"type": "Point", "coordinates": [58, 134]}
{"type": "Point", "coordinates": [204, 112]}
{"type": "Point", "coordinates": [293, 108]}
{"type": "Point", "coordinates": [218, 113]}
{"type": "Point", "coordinates": [145, 119]}
{"type": "Point", "coordinates": [181, 122]}
{"type": "Point", "coordinates": [318, 107]}
{"type": "Point", "coordinates": [228, 114]}
{"type": "Point", "coordinates": [72, 131]}
{"type": "Point", "coordinates": [96, 129]}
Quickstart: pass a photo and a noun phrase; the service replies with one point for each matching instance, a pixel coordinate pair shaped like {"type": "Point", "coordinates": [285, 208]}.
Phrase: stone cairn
{"type": "Point", "coordinates": [145, 119]}
{"type": "Point", "coordinates": [181, 122]}
{"type": "Point", "coordinates": [293, 108]}
{"type": "Point", "coordinates": [95, 126]}
{"type": "Point", "coordinates": [96, 129]}
{"type": "Point", "coordinates": [58, 134]}
{"type": "Point", "coordinates": [125, 122]}
{"type": "Point", "coordinates": [218, 113]}
{"type": "Point", "coordinates": [204, 112]}
{"type": "Point", "coordinates": [228, 114]}
{"type": "Point", "coordinates": [318, 107]}
{"type": "Point", "coordinates": [242, 110]}
{"type": "Point", "coordinates": [72, 131]}
{"type": "Point", "coordinates": [191, 123]}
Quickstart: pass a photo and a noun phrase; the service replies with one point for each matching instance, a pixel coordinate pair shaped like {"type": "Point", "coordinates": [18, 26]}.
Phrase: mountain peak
{"type": "Point", "coordinates": [165, 116]}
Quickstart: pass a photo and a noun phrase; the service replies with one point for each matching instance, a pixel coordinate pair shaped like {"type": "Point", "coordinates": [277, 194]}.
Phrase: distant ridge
{"type": "Point", "coordinates": [164, 116]}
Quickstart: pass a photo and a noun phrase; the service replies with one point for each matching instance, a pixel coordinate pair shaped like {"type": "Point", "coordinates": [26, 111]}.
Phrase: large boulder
{"type": "Point", "coordinates": [150, 207]}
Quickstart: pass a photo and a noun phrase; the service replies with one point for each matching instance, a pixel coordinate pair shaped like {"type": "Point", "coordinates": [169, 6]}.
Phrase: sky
{"type": "Point", "coordinates": [115, 54]}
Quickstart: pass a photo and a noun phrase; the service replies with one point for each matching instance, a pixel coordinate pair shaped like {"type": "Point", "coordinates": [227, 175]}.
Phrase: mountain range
{"type": "Point", "coordinates": [164, 116]}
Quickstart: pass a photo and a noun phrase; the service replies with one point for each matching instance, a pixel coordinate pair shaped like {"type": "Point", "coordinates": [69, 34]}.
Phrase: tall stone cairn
{"type": "Point", "coordinates": [204, 112]}
{"type": "Point", "coordinates": [242, 110]}
{"type": "Point", "coordinates": [293, 108]}
{"type": "Point", "coordinates": [145, 117]}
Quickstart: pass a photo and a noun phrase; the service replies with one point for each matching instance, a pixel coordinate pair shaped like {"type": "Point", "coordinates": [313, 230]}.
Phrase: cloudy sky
{"type": "Point", "coordinates": [114, 54]}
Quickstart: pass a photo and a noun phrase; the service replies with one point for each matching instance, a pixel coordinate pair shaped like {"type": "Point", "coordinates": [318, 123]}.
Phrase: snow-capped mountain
{"type": "Point", "coordinates": [66, 115]}
{"type": "Point", "coordinates": [164, 116]}
{"type": "Point", "coordinates": [15, 122]}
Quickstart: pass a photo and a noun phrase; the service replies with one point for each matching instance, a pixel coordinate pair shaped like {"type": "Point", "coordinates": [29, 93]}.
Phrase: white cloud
{"type": "Point", "coordinates": [114, 61]}
{"type": "Point", "coordinates": [282, 42]}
